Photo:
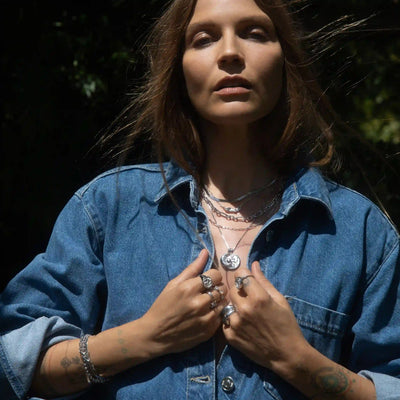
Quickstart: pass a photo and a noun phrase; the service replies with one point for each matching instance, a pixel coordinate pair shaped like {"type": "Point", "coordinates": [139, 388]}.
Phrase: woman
{"type": "Point", "coordinates": [290, 289]}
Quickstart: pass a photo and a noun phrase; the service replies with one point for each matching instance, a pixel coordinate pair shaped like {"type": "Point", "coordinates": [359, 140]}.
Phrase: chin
{"type": "Point", "coordinates": [235, 117]}
{"type": "Point", "coordinates": [236, 112]}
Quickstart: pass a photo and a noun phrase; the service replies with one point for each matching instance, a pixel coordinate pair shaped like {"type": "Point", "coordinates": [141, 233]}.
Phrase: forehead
{"type": "Point", "coordinates": [208, 9]}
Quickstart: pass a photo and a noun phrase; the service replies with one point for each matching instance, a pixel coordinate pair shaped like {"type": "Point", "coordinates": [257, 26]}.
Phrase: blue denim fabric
{"type": "Point", "coordinates": [120, 239]}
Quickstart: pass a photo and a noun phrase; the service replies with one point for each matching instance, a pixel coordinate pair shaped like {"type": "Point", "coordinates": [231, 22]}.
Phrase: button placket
{"type": "Point", "coordinates": [203, 235]}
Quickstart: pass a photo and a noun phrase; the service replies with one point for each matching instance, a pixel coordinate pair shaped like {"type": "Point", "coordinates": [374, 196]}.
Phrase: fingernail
{"type": "Point", "coordinates": [204, 251]}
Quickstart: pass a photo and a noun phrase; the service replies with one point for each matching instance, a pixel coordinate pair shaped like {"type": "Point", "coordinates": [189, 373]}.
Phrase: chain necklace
{"type": "Point", "coordinates": [242, 197]}
{"type": "Point", "coordinates": [234, 218]}
{"type": "Point", "coordinates": [234, 210]}
{"type": "Point", "coordinates": [231, 261]}
{"type": "Point", "coordinates": [229, 228]}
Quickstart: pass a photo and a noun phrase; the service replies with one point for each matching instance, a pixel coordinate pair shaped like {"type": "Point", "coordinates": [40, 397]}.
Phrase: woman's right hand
{"type": "Point", "coordinates": [178, 320]}
{"type": "Point", "coordinates": [181, 317]}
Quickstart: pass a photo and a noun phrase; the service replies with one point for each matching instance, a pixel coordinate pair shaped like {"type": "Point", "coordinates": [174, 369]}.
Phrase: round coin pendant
{"type": "Point", "coordinates": [230, 261]}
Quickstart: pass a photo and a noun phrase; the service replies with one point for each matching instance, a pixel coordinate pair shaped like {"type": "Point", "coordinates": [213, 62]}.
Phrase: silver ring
{"type": "Point", "coordinates": [240, 280]}
{"type": "Point", "coordinates": [214, 302]}
{"type": "Point", "coordinates": [207, 281]}
{"type": "Point", "coordinates": [226, 312]}
{"type": "Point", "coordinates": [220, 291]}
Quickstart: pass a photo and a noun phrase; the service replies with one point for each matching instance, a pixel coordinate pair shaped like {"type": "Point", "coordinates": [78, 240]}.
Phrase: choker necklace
{"type": "Point", "coordinates": [233, 210]}
{"type": "Point", "coordinates": [234, 218]}
{"type": "Point", "coordinates": [242, 197]}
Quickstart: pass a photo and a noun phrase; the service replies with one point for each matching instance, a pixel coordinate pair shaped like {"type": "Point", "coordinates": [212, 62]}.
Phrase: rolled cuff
{"type": "Point", "coordinates": [21, 348]}
{"type": "Point", "coordinates": [387, 387]}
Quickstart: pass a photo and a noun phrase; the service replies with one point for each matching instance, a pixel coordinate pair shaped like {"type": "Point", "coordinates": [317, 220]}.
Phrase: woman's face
{"type": "Point", "coordinates": [233, 62]}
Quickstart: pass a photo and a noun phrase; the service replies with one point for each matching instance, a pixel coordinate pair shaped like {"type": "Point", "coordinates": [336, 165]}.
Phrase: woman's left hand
{"type": "Point", "coordinates": [263, 327]}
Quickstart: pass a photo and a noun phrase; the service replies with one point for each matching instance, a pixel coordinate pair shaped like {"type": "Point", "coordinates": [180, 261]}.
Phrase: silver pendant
{"type": "Point", "coordinates": [230, 261]}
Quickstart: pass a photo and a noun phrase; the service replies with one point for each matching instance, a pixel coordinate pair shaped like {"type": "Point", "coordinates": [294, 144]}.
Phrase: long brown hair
{"type": "Point", "coordinates": [161, 110]}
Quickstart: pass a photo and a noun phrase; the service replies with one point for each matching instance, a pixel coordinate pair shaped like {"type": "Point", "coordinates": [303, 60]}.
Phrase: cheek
{"type": "Point", "coordinates": [272, 75]}
{"type": "Point", "coordinates": [193, 71]}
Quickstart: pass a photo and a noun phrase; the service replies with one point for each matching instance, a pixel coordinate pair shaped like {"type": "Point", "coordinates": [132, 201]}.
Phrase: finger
{"type": "Point", "coordinates": [264, 282]}
{"type": "Point", "coordinates": [195, 268]}
{"type": "Point", "coordinates": [219, 291]}
{"type": "Point", "coordinates": [213, 312]}
{"type": "Point", "coordinates": [242, 271]}
{"type": "Point", "coordinates": [242, 278]}
{"type": "Point", "coordinates": [228, 320]}
{"type": "Point", "coordinates": [212, 299]}
{"type": "Point", "coordinates": [249, 288]}
{"type": "Point", "coordinates": [233, 322]}
{"type": "Point", "coordinates": [216, 279]}
{"type": "Point", "coordinates": [218, 311]}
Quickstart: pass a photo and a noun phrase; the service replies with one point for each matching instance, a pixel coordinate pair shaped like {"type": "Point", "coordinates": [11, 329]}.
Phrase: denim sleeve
{"type": "Point", "coordinates": [57, 296]}
{"type": "Point", "coordinates": [376, 345]}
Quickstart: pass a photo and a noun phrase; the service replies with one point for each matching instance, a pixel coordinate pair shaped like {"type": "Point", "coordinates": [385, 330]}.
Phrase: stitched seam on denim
{"type": "Point", "coordinates": [271, 390]}
{"type": "Point", "coordinates": [300, 301]}
{"type": "Point", "coordinates": [187, 381]}
{"type": "Point", "coordinates": [13, 379]}
{"type": "Point", "coordinates": [92, 221]}
{"type": "Point", "coordinates": [115, 171]}
{"type": "Point", "coordinates": [288, 206]}
{"type": "Point", "coordinates": [321, 328]}
{"type": "Point", "coordinates": [224, 350]}
{"type": "Point", "coordinates": [365, 198]}
{"type": "Point", "coordinates": [379, 268]}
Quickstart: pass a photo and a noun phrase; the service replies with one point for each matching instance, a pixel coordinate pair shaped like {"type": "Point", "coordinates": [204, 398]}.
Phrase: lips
{"type": "Point", "coordinates": [232, 82]}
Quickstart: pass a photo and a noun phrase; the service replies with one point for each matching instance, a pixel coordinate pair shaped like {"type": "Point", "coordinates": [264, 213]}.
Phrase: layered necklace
{"type": "Point", "coordinates": [230, 260]}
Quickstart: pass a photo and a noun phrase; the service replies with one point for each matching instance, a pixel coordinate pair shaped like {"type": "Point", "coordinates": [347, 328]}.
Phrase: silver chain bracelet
{"type": "Point", "coordinates": [90, 370]}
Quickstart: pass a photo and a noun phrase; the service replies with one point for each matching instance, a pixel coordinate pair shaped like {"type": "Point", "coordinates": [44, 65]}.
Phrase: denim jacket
{"type": "Point", "coordinates": [120, 239]}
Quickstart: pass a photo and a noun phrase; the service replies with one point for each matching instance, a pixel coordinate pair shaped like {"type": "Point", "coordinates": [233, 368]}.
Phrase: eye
{"type": "Point", "coordinates": [201, 39]}
{"type": "Point", "coordinates": [257, 33]}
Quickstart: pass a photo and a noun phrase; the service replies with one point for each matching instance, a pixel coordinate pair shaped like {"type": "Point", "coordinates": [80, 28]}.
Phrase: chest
{"type": "Point", "coordinates": [300, 261]}
{"type": "Point", "coordinates": [235, 244]}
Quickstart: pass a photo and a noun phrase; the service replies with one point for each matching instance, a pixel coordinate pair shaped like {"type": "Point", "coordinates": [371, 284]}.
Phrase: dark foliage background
{"type": "Point", "coordinates": [66, 67]}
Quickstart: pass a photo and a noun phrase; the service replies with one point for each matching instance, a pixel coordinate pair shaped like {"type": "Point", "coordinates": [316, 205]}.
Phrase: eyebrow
{"type": "Point", "coordinates": [254, 19]}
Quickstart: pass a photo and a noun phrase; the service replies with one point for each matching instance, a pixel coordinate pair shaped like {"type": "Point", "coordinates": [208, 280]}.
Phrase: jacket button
{"type": "Point", "coordinates": [227, 384]}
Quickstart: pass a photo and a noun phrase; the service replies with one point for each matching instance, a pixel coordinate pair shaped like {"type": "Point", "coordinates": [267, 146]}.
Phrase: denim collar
{"type": "Point", "coordinates": [175, 176]}
{"type": "Point", "coordinates": [306, 184]}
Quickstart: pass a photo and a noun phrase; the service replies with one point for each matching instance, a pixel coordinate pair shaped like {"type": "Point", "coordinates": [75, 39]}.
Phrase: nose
{"type": "Point", "coordinates": [231, 52]}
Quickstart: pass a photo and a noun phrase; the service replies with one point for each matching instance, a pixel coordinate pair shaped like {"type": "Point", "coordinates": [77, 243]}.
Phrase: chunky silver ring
{"type": "Point", "coordinates": [226, 312]}
{"type": "Point", "coordinates": [240, 280]}
{"type": "Point", "coordinates": [207, 281]}
{"type": "Point", "coordinates": [214, 302]}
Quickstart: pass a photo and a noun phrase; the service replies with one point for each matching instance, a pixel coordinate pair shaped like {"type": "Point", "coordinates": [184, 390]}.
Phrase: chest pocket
{"type": "Point", "coordinates": [315, 320]}
{"type": "Point", "coordinates": [323, 328]}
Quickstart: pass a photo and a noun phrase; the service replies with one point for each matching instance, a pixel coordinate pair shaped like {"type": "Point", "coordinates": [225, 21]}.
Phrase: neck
{"type": "Point", "coordinates": [234, 165]}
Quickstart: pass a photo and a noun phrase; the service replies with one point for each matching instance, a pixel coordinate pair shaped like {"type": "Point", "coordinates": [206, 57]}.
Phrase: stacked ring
{"type": "Point", "coordinates": [226, 313]}
{"type": "Point", "coordinates": [220, 291]}
{"type": "Point", "coordinates": [214, 302]}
